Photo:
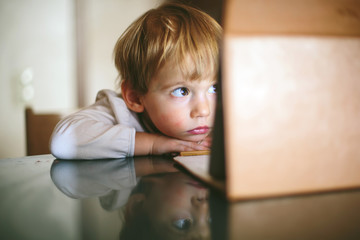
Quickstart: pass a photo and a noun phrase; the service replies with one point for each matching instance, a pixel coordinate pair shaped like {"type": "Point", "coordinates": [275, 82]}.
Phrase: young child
{"type": "Point", "coordinates": [167, 62]}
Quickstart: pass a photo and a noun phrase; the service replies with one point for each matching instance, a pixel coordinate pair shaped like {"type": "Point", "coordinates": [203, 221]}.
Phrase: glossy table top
{"type": "Point", "coordinates": [151, 198]}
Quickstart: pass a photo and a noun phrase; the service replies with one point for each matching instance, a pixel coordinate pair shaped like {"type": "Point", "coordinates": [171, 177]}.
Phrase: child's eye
{"type": "Point", "coordinates": [213, 89]}
{"type": "Point", "coordinates": [182, 224]}
{"type": "Point", "coordinates": [180, 92]}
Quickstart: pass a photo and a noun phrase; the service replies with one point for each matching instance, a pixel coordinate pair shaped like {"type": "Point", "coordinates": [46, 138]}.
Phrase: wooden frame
{"type": "Point", "coordinates": [39, 128]}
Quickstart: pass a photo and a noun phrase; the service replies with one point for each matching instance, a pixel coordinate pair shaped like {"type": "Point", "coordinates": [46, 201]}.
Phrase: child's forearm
{"type": "Point", "coordinates": [155, 144]}
{"type": "Point", "coordinates": [143, 143]}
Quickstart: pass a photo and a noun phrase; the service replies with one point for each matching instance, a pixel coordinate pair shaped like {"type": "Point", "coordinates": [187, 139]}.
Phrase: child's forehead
{"type": "Point", "coordinates": [188, 69]}
{"type": "Point", "coordinates": [171, 74]}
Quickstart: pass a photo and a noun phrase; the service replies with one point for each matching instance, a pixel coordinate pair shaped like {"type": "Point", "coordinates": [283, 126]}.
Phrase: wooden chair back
{"type": "Point", "coordinates": [39, 128]}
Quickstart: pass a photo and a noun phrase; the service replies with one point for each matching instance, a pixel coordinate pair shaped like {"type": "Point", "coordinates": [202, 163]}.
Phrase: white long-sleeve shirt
{"type": "Point", "coordinates": [105, 129]}
{"type": "Point", "coordinates": [110, 180]}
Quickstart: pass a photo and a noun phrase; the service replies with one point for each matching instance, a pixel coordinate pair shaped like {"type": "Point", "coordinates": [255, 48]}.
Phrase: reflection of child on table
{"type": "Point", "coordinates": [111, 180]}
{"type": "Point", "coordinates": [154, 200]}
{"type": "Point", "coordinates": [167, 61]}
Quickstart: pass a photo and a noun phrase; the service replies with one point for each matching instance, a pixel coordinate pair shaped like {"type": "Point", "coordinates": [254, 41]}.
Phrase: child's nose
{"type": "Point", "coordinates": [201, 108]}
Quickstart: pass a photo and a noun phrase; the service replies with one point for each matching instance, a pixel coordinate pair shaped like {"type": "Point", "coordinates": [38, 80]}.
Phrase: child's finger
{"type": "Point", "coordinates": [196, 146]}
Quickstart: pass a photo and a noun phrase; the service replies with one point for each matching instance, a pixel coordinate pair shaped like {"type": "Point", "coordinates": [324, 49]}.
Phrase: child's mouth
{"type": "Point", "coordinates": [199, 130]}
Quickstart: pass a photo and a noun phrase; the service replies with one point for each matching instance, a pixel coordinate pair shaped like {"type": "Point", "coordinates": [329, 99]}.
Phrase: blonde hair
{"type": "Point", "coordinates": [173, 32]}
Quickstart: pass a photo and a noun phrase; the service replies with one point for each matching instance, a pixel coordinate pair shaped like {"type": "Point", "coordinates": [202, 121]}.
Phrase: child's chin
{"type": "Point", "coordinates": [193, 138]}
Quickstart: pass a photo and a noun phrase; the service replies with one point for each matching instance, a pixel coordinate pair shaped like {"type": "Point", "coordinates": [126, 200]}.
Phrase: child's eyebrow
{"type": "Point", "coordinates": [170, 85]}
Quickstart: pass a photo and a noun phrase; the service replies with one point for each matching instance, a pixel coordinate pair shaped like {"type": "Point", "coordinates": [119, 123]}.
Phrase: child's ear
{"type": "Point", "coordinates": [131, 98]}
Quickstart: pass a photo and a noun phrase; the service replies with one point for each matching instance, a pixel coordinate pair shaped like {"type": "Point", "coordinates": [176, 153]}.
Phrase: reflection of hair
{"type": "Point", "coordinates": [144, 186]}
{"type": "Point", "coordinates": [138, 225]}
{"type": "Point", "coordinates": [170, 32]}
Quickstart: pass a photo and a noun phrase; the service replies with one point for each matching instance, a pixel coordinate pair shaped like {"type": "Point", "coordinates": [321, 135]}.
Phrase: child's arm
{"type": "Point", "coordinates": [79, 136]}
{"type": "Point", "coordinates": [155, 144]}
{"type": "Point", "coordinates": [105, 129]}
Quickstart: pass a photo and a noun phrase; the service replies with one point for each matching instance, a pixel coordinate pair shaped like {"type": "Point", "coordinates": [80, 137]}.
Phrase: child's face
{"type": "Point", "coordinates": [178, 206]}
{"type": "Point", "coordinates": [178, 107]}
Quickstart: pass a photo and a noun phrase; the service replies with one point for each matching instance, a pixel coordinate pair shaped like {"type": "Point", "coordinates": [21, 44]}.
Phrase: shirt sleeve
{"type": "Point", "coordinates": [110, 180]}
{"type": "Point", "coordinates": [105, 129]}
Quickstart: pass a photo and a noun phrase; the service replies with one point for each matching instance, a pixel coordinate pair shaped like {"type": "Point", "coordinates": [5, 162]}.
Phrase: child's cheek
{"type": "Point", "coordinates": [165, 118]}
{"type": "Point", "coordinates": [179, 124]}
{"type": "Point", "coordinates": [173, 120]}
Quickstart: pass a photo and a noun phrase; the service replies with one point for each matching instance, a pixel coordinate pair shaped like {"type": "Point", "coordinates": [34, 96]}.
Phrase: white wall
{"type": "Point", "coordinates": [36, 34]}
{"type": "Point", "coordinates": [101, 24]}
{"type": "Point", "coordinates": [41, 35]}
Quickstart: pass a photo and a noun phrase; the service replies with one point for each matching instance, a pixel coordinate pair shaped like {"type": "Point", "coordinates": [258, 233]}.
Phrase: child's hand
{"type": "Point", "coordinates": [155, 144]}
{"type": "Point", "coordinates": [163, 144]}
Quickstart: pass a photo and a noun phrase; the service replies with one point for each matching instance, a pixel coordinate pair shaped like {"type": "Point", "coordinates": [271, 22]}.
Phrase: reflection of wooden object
{"type": "Point", "coordinates": [323, 216]}
{"type": "Point", "coordinates": [198, 165]}
{"type": "Point", "coordinates": [291, 92]}
{"type": "Point", "coordinates": [38, 131]}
